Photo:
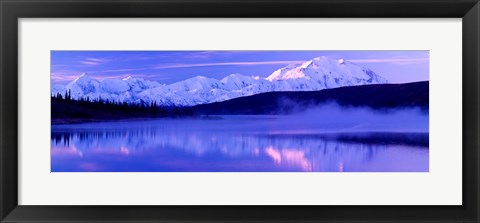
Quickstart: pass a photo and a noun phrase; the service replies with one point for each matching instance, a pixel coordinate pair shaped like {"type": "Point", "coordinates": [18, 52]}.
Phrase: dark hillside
{"type": "Point", "coordinates": [378, 96]}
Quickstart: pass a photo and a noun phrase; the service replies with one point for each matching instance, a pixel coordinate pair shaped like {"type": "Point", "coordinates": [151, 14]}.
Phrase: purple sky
{"type": "Point", "coordinates": [172, 66]}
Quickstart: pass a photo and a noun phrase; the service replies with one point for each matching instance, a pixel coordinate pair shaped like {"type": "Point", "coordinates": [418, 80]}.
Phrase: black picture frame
{"type": "Point", "coordinates": [12, 10]}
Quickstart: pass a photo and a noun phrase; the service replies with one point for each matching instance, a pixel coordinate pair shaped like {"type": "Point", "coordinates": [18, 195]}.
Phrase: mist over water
{"type": "Point", "coordinates": [327, 138]}
{"type": "Point", "coordinates": [331, 117]}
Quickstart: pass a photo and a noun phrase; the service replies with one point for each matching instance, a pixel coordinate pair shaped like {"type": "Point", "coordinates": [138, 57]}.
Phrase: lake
{"type": "Point", "coordinates": [253, 143]}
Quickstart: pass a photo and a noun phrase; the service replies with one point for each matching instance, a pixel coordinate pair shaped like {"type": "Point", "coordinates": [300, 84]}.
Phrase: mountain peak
{"type": "Point", "coordinates": [317, 61]}
{"type": "Point", "coordinates": [280, 74]}
{"type": "Point", "coordinates": [236, 76]}
{"type": "Point", "coordinates": [316, 74]}
{"type": "Point", "coordinates": [83, 75]}
{"type": "Point", "coordinates": [321, 58]}
{"type": "Point", "coordinates": [291, 66]}
{"type": "Point", "coordinates": [83, 78]}
{"type": "Point", "coordinates": [327, 73]}
{"type": "Point", "coordinates": [232, 75]}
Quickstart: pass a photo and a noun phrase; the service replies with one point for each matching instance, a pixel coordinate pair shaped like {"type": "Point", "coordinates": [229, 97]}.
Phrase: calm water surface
{"type": "Point", "coordinates": [235, 143]}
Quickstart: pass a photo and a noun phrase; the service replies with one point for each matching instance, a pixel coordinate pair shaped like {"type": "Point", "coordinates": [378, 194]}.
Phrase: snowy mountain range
{"type": "Point", "coordinates": [317, 74]}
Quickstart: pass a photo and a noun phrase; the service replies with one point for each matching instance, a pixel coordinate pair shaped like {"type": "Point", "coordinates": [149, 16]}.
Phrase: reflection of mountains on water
{"type": "Point", "coordinates": [295, 149]}
{"type": "Point", "coordinates": [372, 138]}
{"type": "Point", "coordinates": [141, 139]}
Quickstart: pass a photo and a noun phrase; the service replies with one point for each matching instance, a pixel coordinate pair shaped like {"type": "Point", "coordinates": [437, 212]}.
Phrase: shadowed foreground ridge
{"type": "Point", "coordinates": [378, 96]}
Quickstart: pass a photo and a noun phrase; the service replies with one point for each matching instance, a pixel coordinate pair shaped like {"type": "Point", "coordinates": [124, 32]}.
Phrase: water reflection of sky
{"type": "Point", "coordinates": [217, 145]}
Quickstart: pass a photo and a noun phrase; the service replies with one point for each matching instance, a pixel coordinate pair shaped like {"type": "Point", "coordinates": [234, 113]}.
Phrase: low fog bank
{"type": "Point", "coordinates": [331, 116]}
{"type": "Point", "coordinates": [326, 118]}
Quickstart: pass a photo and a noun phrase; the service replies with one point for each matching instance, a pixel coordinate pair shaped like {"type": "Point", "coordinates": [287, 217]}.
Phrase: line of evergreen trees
{"type": "Point", "coordinates": [98, 108]}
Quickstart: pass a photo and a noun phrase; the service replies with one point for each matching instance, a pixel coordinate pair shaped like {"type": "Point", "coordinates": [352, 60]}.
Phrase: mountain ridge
{"type": "Point", "coordinates": [378, 97]}
{"type": "Point", "coordinates": [317, 74]}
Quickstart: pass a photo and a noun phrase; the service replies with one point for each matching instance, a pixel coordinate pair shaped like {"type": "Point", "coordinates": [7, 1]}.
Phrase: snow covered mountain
{"type": "Point", "coordinates": [316, 74]}
{"type": "Point", "coordinates": [323, 73]}
{"type": "Point", "coordinates": [126, 89]}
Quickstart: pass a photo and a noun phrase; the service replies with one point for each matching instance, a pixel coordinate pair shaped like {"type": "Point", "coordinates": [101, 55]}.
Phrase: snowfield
{"type": "Point", "coordinates": [316, 74]}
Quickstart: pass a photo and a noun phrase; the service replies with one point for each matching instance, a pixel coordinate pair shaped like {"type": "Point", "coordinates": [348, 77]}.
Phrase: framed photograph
{"type": "Point", "coordinates": [228, 111]}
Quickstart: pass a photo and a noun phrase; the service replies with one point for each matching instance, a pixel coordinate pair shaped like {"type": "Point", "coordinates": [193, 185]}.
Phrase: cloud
{"type": "Point", "coordinates": [252, 63]}
{"type": "Point", "coordinates": [63, 76]}
{"type": "Point", "coordinates": [200, 55]}
{"type": "Point", "coordinates": [96, 59]}
{"type": "Point", "coordinates": [68, 76]}
{"type": "Point", "coordinates": [93, 61]}
{"type": "Point", "coordinates": [89, 62]}
{"type": "Point", "coordinates": [119, 70]}
{"type": "Point", "coordinates": [400, 61]}
{"type": "Point", "coordinates": [188, 65]}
